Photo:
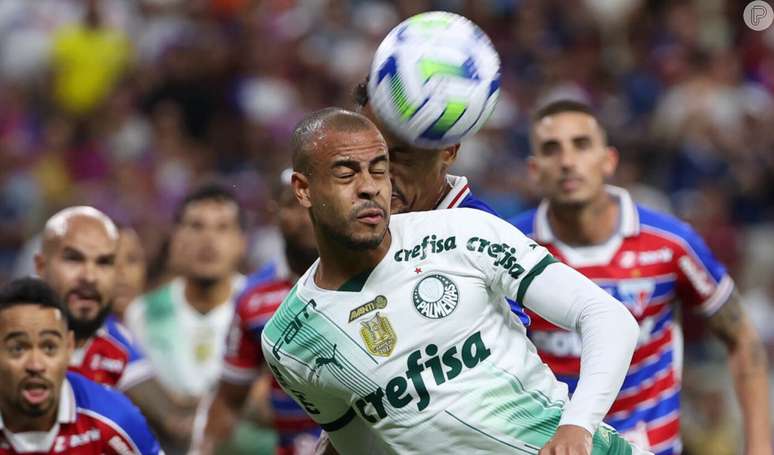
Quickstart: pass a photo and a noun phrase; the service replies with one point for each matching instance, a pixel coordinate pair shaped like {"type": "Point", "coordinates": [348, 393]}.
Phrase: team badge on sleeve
{"type": "Point", "coordinates": [435, 296]}
{"type": "Point", "coordinates": [378, 335]}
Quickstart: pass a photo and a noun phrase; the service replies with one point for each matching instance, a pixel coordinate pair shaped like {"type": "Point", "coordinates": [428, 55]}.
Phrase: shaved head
{"type": "Point", "coordinates": [61, 222]}
{"type": "Point", "coordinates": [310, 132]}
{"type": "Point", "coordinates": [77, 260]}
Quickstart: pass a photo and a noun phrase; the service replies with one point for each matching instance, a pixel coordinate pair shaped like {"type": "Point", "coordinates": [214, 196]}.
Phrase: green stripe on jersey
{"type": "Point", "coordinates": [537, 270]}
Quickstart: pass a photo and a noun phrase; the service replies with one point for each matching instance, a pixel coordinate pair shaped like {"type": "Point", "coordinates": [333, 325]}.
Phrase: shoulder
{"type": "Point", "coordinates": [121, 336]}
{"type": "Point", "coordinates": [666, 226]}
{"type": "Point", "coordinates": [262, 297]}
{"type": "Point", "coordinates": [449, 218]}
{"type": "Point", "coordinates": [472, 202]}
{"type": "Point", "coordinates": [525, 221]}
{"type": "Point", "coordinates": [108, 406]}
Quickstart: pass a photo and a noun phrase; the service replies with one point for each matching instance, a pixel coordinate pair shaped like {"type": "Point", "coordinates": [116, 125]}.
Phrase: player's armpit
{"type": "Point", "coordinates": [163, 414]}
{"type": "Point", "coordinates": [747, 364]}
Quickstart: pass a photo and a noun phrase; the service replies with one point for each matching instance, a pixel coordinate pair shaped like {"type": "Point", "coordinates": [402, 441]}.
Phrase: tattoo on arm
{"type": "Point", "coordinates": [733, 327]}
{"type": "Point", "coordinates": [727, 322]}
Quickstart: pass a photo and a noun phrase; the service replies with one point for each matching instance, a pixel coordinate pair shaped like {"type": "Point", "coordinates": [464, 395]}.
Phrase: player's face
{"type": "Point", "coordinates": [80, 266]}
{"type": "Point", "coordinates": [34, 353]}
{"type": "Point", "coordinates": [417, 175]}
{"type": "Point", "coordinates": [211, 238]}
{"type": "Point", "coordinates": [570, 158]}
{"type": "Point", "coordinates": [130, 269]}
{"type": "Point", "coordinates": [296, 228]}
{"type": "Point", "coordinates": [348, 193]}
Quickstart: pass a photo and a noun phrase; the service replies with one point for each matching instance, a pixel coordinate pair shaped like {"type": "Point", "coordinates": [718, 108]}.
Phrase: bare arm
{"type": "Point", "coordinates": [164, 414]}
{"type": "Point", "coordinates": [221, 417]}
{"type": "Point", "coordinates": [747, 363]}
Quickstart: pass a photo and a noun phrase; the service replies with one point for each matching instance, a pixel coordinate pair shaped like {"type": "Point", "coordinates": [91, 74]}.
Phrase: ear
{"type": "Point", "coordinates": [70, 342]}
{"type": "Point", "coordinates": [300, 184]}
{"type": "Point", "coordinates": [449, 155]}
{"type": "Point", "coordinates": [611, 161]}
{"type": "Point", "coordinates": [40, 264]}
{"type": "Point", "coordinates": [532, 168]}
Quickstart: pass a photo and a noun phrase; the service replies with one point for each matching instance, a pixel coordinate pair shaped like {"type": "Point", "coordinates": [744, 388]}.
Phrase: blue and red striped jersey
{"type": "Point", "coordinates": [653, 262]}
{"type": "Point", "coordinates": [92, 419]}
{"type": "Point", "coordinates": [112, 357]}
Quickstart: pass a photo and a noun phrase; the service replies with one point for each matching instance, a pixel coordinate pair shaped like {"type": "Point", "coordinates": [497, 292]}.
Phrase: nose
{"type": "Point", "coordinates": [368, 188]}
{"type": "Point", "coordinates": [89, 272]}
{"type": "Point", "coordinates": [34, 363]}
{"type": "Point", "coordinates": [567, 158]}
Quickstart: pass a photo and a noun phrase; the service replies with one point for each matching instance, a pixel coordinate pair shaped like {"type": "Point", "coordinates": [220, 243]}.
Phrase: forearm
{"type": "Point", "coordinates": [161, 411]}
{"type": "Point", "coordinates": [747, 362]}
{"type": "Point", "coordinates": [608, 335]}
{"type": "Point", "coordinates": [216, 418]}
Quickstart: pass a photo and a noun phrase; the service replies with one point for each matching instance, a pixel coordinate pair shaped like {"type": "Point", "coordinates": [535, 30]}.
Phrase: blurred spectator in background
{"type": "Point", "coordinates": [182, 326]}
{"type": "Point", "coordinates": [130, 270]}
{"type": "Point", "coordinates": [88, 58]}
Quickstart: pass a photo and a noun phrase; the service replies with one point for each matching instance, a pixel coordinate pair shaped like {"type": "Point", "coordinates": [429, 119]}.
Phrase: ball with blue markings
{"type": "Point", "coordinates": [434, 80]}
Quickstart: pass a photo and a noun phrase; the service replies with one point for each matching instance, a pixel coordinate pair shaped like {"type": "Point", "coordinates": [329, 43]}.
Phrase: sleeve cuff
{"type": "Point", "coordinates": [718, 298]}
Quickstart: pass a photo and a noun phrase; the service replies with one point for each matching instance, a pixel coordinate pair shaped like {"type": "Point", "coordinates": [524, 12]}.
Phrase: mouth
{"type": "Point", "coordinates": [36, 392]}
{"type": "Point", "coordinates": [371, 216]}
{"type": "Point", "coordinates": [570, 184]}
{"type": "Point", "coordinates": [82, 302]}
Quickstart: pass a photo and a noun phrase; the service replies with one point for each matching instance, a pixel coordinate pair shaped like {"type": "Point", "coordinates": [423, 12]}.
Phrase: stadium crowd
{"type": "Point", "coordinates": [127, 106]}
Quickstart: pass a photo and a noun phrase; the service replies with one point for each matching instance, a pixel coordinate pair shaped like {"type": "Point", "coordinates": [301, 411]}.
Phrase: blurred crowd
{"type": "Point", "coordinates": [126, 105]}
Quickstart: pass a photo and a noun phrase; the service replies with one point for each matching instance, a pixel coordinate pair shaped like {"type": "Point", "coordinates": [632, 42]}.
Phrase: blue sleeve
{"type": "Point", "coordinates": [116, 408]}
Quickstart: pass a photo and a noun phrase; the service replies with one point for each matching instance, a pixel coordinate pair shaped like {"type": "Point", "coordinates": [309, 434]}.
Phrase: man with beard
{"type": "Point", "coordinates": [399, 332]}
{"type": "Point", "coordinates": [243, 362]}
{"type": "Point", "coordinates": [43, 408]}
{"type": "Point", "coordinates": [77, 259]}
{"type": "Point", "coordinates": [182, 326]}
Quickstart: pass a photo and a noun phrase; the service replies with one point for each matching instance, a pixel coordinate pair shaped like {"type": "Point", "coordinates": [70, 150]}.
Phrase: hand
{"type": "Point", "coordinates": [568, 440]}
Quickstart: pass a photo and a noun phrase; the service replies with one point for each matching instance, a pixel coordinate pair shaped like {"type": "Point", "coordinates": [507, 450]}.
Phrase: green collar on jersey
{"type": "Point", "coordinates": [356, 283]}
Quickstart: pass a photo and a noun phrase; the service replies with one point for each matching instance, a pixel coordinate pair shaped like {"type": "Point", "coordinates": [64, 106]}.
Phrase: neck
{"type": "Point", "coordinates": [205, 295]}
{"type": "Point", "coordinates": [587, 224]}
{"type": "Point", "coordinates": [339, 264]}
{"type": "Point", "coordinates": [444, 189]}
{"type": "Point", "coordinates": [18, 423]}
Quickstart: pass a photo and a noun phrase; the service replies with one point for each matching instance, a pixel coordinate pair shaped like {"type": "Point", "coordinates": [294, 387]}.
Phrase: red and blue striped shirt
{"type": "Point", "coordinates": [653, 262]}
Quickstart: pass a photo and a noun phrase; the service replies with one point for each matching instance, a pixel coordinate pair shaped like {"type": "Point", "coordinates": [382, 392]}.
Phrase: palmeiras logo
{"type": "Point", "coordinates": [435, 296]}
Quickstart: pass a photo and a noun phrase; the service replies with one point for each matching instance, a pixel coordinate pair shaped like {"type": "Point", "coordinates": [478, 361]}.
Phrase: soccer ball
{"type": "Point", "coordinates": [434, 80]}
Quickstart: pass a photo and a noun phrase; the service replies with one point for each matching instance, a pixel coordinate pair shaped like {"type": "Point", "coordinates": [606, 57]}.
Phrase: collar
{"type": "Point", "coordinates": [628, 226]}
{"type": "Point", "coordinates": [40, 441]}
{"type": "Point", "coordinates": [459, 190]}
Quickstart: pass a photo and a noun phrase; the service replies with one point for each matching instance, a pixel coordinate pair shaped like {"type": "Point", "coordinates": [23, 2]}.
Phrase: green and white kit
{"type": "Point", "coordinates": [423, 354]}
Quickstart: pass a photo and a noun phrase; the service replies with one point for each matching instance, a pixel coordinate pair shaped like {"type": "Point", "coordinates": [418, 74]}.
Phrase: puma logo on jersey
{"type": "Point", "coordinates": [419, 251]}
{"type": "Point", "coordinates": [444, 367]}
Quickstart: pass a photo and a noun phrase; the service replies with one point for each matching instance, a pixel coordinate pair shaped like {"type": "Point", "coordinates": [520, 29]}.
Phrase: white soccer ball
{"type": "Point", "coordinates": [434, 80]}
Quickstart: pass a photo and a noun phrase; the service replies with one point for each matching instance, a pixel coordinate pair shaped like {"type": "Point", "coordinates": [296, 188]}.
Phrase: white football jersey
{"type": "Point", "coordinates": [422, 354]}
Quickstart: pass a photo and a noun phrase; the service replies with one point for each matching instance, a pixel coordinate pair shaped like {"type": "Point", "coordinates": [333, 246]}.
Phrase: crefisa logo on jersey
{"type": "Point", "coordinates": [435, 296]}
